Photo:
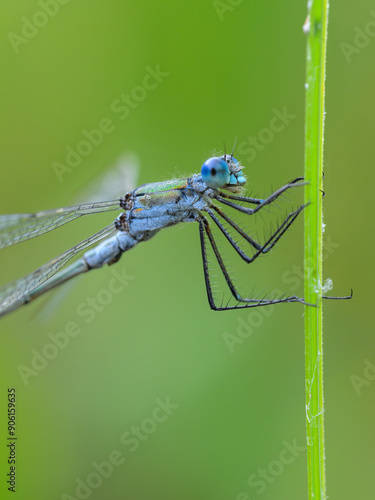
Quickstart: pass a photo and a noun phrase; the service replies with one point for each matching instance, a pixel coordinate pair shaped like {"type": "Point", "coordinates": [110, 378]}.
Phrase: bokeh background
{"type": "Point", "coordinates": [234, 381]}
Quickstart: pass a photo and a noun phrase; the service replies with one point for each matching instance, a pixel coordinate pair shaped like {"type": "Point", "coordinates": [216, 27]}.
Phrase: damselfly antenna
{"type": "Point", "coordinates": [234, 146]}
{"type": "Point", "coordinates": [225, 151]}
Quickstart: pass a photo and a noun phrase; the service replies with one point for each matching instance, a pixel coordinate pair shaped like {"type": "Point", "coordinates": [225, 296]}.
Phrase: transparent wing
{"type": "Point", "coordinates": [14, 292]}
{"type": "Point", "coordinates": [120, 177]}
{"type": "Point", "coordinates": [15, 228]}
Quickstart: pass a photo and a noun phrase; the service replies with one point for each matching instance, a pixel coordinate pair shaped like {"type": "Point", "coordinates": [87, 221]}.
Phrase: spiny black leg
{"type": "Point", "coordinates": [346, 297]}
{"type": "Point", "coordinates": [235, 226]}
{"type": "Point", "coordinates": [205, 266]}
{"type": "Point", "coordinates": [204, 229]}
{"type": "Point", "coordinates": [282, 229]}
{"type": "Point", "coordinates": [258, 201]}
{"type": "Point", "coordinates": [246, 199]}
{"type": "Point", "coordinates": [224, 198]}
{"type": "Point", "coordinates": [266, 247]}
{"type": "Point", "coordinates": [207, 230]}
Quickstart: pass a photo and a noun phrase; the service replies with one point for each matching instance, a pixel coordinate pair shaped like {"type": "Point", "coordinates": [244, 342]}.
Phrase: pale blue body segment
{"type": "Point", "coordinates": [145, 211]}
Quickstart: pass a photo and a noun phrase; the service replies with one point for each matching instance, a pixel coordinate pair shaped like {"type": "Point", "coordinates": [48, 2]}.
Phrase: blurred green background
{"type": "Point", "coordinates": [237, 406]}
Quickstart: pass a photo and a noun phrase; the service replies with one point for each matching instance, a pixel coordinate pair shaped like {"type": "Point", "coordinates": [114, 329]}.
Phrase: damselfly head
{"type": "Point", "coordinates": [223, 172]}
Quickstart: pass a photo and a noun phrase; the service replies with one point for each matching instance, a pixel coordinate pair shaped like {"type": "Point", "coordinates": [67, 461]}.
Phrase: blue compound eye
{"type": "Point", "coordinates": [215, 172]}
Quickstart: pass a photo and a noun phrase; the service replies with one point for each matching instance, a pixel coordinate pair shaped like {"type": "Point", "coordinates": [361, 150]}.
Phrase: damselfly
{"type": "Point", "coordinates": [145, 211]}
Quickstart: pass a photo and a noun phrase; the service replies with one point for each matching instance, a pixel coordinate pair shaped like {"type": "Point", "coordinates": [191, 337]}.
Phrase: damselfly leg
{"type": "Point", "coordinates": [241, 302]}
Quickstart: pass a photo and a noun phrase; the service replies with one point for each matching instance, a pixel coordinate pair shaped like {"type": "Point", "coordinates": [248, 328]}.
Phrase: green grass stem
{"type": "Point", "coordinates": [316, 29]}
